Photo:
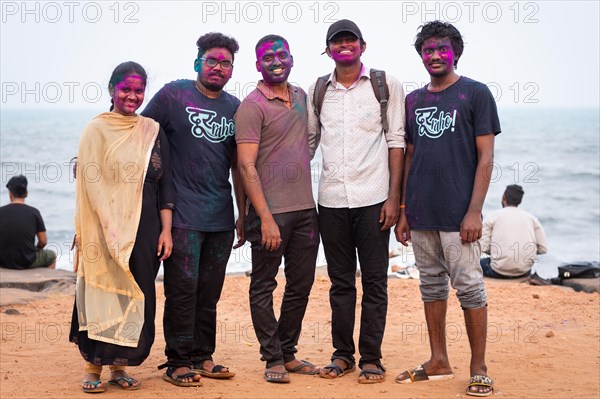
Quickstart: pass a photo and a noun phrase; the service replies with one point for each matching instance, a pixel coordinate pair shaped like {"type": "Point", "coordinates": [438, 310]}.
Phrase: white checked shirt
{"type": "Point", "coordinates": [355, 170]}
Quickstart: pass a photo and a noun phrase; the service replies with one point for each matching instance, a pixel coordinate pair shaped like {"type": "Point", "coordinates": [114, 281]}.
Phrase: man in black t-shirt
{"type": "Point", "coordinates": [19, 225]}
{"type": "Point", "coordinates": [197, 117]}
{"type": "Point", "coordinates": [450, 130]}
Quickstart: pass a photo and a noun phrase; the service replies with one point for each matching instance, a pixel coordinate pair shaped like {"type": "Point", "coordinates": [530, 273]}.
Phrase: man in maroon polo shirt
{"type": "Point", "coordinates": [272, 139]}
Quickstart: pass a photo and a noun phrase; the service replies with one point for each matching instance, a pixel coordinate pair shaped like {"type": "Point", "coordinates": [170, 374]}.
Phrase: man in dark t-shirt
{"type": "Point", "coordinates": [197, 116]}
{"type": "Point", "coordinates": [450, 129]}
{"type": "Point", "coordinates": [19, 225]}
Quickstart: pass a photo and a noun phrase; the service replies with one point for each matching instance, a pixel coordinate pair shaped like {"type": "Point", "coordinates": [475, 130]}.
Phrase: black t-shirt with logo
{"type": "Point", "coordinates": [442, 126]}
{"type": "Point", "coordinates": [19, 224]}
{"type": "Point", "coordinates": [201, 134]}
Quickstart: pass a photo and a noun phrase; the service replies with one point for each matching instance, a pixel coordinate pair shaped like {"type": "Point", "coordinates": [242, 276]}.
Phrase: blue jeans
{"type": "Point", "coordinates": [489, 272]}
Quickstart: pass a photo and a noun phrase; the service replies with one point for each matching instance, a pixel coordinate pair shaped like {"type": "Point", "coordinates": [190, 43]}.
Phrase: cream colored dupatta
{"type": "Point", "coordinates": [114, 151]}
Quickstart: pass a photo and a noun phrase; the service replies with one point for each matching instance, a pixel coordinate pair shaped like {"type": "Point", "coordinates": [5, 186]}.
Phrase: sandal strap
{"type": "Point", "coordinates": [162, 366]}
{"type": "Point", "coordinates": [182, 376]}
{"type": "Point", "coordinates": [171, 370]}
{"type": "Point", "coordinates": [479, 379]}
{"type": "Point", "coordinates": [364, 372]}
{"type": "Point", "coordinates": [334, 367]}
{"type": "Point", "coordinates": [128, 380]}
{"type": "Point", "coordinates": [217, 368]}
{"type": "Point", "coordinates": [303, 363]}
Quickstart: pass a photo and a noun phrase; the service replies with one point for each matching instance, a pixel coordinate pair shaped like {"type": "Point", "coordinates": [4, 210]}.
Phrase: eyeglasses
{"type": "Point", "coordinates": [211, 62]}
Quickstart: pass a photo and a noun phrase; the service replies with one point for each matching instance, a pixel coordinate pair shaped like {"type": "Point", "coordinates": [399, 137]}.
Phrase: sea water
{"type": "Point", "coordinates": [552, 153]}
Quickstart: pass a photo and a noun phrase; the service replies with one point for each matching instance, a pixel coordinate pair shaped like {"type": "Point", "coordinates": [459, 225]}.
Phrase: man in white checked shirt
{"type": "Point", "coordinates": [359, 194]}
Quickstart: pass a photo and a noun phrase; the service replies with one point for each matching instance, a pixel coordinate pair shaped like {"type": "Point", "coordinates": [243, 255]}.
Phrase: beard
{"type": "Point", "coordinates": [212, 85]}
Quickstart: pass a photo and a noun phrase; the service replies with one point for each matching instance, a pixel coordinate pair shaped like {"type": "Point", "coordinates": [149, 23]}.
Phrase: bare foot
{"type": "Point", "coordinates": [485, 385]}
{"type": "Point", "coordinates": [277, 374]}
{"type": "Point", "coordinates": [430, 368]}
{"type": "Point", "coordinates": [371, 373]}
{"type": "Point", "coordinates": [208, 365]}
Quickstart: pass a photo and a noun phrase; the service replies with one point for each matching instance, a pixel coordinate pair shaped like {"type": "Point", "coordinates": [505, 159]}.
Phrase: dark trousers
{"type": "Point", "coordinates": [300, 243]}
{"type": "Point", "coordinates": [194, 277]}
{"type": "Point", "coordinates": [344, 231]}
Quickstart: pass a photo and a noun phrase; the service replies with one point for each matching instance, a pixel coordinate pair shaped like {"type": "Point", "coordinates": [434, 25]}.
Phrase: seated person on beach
{"type": "Point", "coordinates": [512, 237]}
{"type": "Point", "coordinates": [19, 225]}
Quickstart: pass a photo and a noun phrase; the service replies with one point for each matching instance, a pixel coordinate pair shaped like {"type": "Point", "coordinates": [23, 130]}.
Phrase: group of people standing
{"type": "Point", "coordinates": [155, 187]}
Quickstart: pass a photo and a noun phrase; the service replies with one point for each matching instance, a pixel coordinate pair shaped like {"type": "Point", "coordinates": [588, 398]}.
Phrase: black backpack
{"type": "Point", "coordinates": [380, 89]}
{"type": "Point", "coordinates": [579, 270]}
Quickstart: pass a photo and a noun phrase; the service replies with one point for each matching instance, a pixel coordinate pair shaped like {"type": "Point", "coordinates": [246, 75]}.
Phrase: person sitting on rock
{"type": "Point", "coordinates": [512, 237]}
{"type": "Point", "coordinates": [19, 225]}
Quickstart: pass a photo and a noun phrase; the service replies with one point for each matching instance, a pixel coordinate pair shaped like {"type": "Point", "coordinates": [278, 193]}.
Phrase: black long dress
{"type": "Point", "coordinates": [158, 193]}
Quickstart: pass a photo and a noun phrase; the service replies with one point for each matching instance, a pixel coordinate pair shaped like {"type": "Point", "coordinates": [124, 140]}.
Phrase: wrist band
{"type": "Point", "coordinates": [402, 206]}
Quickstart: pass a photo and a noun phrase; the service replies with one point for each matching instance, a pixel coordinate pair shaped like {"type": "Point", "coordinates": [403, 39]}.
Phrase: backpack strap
{"type": "Point", "coordinates": [380, 89]}
{"type": "Point", "coordinates": [382, 93]}
{"type": "Point", "coordinates": [319, 93]}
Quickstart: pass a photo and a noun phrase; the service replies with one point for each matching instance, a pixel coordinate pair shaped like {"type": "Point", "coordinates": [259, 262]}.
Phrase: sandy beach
{"type": "Point", "coordinates": [543, 342]}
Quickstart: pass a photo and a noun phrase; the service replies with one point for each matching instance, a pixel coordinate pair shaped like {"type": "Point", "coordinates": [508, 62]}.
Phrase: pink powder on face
{"type": "Point", "coordinates": [274, 61]}
{"type": "Point", "coordinates": [438, 56]}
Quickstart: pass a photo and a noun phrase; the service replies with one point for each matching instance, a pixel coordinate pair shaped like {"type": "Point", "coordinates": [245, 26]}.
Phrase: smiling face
{"type": "Point", "coordinates": [438, 56]}
{"type": "Point", "coordinates": [274, 62]}
{"type": "Point", "coordinates": [214, 78]}
{"type": "Point", "coordinates": [346, 48]}
{"type": "Point", "coordinates": [128, 94]}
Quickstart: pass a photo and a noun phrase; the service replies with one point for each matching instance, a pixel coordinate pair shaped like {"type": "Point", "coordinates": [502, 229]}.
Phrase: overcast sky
{"type": "Point", "coordinates": [60, 54]}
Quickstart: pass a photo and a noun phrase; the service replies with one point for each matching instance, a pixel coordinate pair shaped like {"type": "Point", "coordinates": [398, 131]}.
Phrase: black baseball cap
{"type": "Point", "coordinates": [343, 25]}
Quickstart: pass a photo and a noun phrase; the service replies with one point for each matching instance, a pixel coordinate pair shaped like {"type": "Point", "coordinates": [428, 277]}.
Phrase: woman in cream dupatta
{"type": "Point", "coordinates": [123, 231]}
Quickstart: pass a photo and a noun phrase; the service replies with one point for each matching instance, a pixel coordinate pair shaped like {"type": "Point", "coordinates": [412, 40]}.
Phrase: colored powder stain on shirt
{"type": "Point", "coordinates": [299, 106]}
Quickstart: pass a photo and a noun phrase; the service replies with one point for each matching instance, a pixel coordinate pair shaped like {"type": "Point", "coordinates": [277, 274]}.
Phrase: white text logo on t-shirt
{"type": "Point", "coordinates": [434, 126]}
{"type": "Point", "coordinates": [205, 125]}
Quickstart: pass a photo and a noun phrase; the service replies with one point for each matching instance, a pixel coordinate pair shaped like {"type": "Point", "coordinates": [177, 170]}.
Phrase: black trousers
{"type": "Point", "coordinates": [344, 231]}
{"type": "Point", "coordinates": [194, 277]}
{"type": "Point", "coordinates": [300, 243]}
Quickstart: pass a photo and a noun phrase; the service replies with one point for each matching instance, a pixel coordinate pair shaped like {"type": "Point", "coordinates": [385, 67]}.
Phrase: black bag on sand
{"type": "Point", "coordinates": [579, 270]}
